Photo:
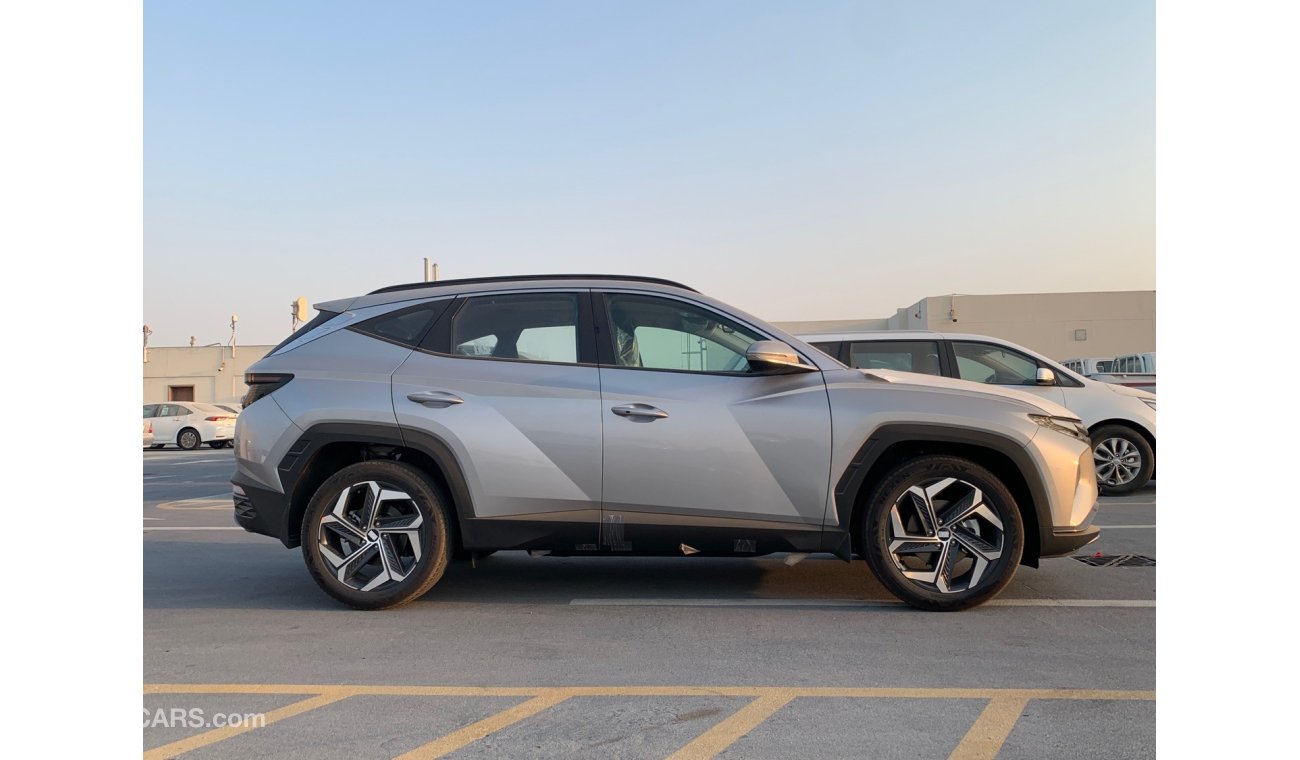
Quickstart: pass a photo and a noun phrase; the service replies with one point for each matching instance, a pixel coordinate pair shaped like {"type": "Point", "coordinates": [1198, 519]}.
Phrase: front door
{"type": "Point", "coordinates": [702, 453]}
{"type": "Point", "coordinates": [999, 365]}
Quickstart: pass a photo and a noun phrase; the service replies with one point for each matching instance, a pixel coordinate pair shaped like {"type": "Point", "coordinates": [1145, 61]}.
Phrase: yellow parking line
{"type": "Point", "coordinates": [218, 734]}
{"type": "Point", "coordinates": [724, 734]}
{"type": "Point", "coordinates": [985, 739]}
{"type": "Point", "coordinates": [453, 741]}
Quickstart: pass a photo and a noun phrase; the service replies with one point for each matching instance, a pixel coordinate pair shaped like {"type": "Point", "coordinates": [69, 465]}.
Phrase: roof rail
{"type": "Point", "coordinates": [520, 278]}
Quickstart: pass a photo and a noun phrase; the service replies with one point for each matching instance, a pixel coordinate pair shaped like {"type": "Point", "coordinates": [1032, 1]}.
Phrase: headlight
{"type": "Point", "coordinates": [1149, 402]}
{"type": "Point", "coordinates": [1067, 425]}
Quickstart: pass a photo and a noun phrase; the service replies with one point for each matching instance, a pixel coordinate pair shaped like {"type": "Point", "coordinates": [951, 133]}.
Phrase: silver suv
{"type": "Point", "coordinates": [606, 415]}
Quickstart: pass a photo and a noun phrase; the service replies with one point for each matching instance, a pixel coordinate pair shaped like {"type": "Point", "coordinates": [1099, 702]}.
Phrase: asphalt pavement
{"type": "Point", "coordinates": [628, 657]}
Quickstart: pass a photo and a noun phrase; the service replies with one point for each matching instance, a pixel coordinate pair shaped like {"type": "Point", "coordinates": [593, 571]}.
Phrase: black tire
{"type": "Point", "coordinates": [434, 534]}
{"type": "Point", "coordinates": [876, 528]}
{"type": "Point", "coordinates": [217, 444]}
{"type": "Point", "coordinates": [1102, 437]}
{"type": "Point", "coordinates": [189, 439]}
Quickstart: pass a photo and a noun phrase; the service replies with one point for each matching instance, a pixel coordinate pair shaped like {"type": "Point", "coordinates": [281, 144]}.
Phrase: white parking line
{"type": "Point", "coordinates": [848, 603]}
{"type": "Point", "coordinates": [153, 462]}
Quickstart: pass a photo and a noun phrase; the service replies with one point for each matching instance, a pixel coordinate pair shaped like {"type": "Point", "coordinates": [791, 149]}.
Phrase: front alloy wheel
{"type": "Point", "coordinates": [942, 533]}
{"type": "Point", "coordinates": [943, 536]}
{"type": "Point", "coordinates": [376, 534]}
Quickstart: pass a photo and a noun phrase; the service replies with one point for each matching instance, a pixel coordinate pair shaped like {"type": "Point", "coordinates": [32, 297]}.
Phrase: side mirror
{"type": "Point", "coordinates": [1044, 376]}
{"type": "Point", "coordinates": [775, 356]}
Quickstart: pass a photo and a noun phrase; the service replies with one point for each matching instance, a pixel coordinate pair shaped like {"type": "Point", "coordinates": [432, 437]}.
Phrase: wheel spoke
{"type": "Point", "coordinates": [896, 522]}
{"type": "Point", "coordinates": [944, 567]}
{"type": "Point", "coordinates": [976, 545]}
{"type": "Point", "coordinates": [961, 508]}
{"type": "Point", "coordinates": [916, 547]}
{"type": "Point", "coordinates": [924, 509]}
{"type": "Point", "coordinates": [388, 554]}
{"type": "Point", "coordinates": [342, 528]}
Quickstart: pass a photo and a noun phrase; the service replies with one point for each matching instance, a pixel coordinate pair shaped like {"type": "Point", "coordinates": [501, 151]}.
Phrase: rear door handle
{"type": "Point", "coordinates": [435, 399]}
{"type": "Point", "coordinates": [639, 411]}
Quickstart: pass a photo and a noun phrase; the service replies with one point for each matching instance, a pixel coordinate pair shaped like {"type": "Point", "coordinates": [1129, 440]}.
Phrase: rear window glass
{"type": "Point", "coordinates": [405, 326]}
{"type": "Point", "coordinates": [904, 355]}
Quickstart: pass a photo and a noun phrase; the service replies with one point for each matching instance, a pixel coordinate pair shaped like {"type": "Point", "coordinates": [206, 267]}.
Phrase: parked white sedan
{"type": "Point", "coordinates": [190, 424]}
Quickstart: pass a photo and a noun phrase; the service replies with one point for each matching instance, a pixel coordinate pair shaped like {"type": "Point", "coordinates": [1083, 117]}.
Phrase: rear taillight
{"type": "Point", "coordinates": [218, 419]}
{"type": "Point", "coordinates": [150, 427]}
{"type": "Point", "coordinates": [263, 384]}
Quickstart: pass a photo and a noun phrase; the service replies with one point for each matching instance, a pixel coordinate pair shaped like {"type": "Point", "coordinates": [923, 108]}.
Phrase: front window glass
{"type": "Point", "coordinates": [906, 355]}
{"type": "Point", "coordinates": [996, 365]}
{"type": "Point", "coordinates": [539, 327]}
{"type": "Point", "coordinates": [663, 333]}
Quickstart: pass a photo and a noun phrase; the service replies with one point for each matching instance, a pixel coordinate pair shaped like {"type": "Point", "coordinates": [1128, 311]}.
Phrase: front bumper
{"type": "Point", "coordinates": [1058, 542]}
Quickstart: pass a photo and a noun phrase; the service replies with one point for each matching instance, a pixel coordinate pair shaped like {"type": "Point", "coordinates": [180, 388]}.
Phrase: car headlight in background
{"type": "Point", "coordinates": [1067, 425]}
{"type": "Point", "coordinates": [1149, 402]}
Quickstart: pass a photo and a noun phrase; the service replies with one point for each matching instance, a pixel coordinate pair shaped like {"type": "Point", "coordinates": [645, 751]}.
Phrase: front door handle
{"type": "Point", "coordinates": [639, 411]}
{"type": "Point", "coordinates": [435, 399]}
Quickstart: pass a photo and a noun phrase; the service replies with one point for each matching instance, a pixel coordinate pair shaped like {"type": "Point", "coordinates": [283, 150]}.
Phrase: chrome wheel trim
{"type": "Point", "coordinates": [1117, 460]}
{"type": "Point", "coordinates": [370, 538]}
{"type": "Point", "coordinates": [943, 535]}
{"type": "Point", "coordinates": [189, 440]}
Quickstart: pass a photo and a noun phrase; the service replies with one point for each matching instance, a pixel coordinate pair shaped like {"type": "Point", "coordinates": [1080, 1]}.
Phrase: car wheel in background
{"type": "Point", "coordinates": [217, 444]}
{"type": "Point", "coordinates": [377, 535]}
{"type": "Point", "coordinates": [1123, 458]}
{"type": "Point", "coordinates": [188, 439]}
{"type": "Point", "coordinates": [157, 445]}
{"type": "Point", "coordinates": [942, 533]}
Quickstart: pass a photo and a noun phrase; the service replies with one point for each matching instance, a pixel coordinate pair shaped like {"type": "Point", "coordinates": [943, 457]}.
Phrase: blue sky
{"type": "Point", "coordinates": [802, 160]}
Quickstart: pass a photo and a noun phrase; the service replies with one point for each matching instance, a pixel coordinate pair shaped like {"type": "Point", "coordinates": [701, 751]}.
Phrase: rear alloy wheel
{"type": "Point", "coordinates": [1123, 458]}
{"type": "Point", "coordinates": [942, 533]}
{"type": "Point", "coordinates": [189, 439]}
{"type": "Point", "coordinates": [375, 535]}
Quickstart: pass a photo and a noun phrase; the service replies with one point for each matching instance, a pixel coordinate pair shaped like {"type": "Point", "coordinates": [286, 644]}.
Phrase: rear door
{"type": "Point", "coordinates": [509, 383]}
{"type": "Point", "coordinates": [700, 449]}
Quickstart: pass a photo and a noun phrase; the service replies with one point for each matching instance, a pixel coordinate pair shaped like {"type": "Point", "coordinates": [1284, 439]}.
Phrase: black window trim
{"type": "Point", "coordinates": [437, 341]}
{"type": "Point", "coordinates": [607, 353]}
{"type": "Point", "coordinates": [438, 305]}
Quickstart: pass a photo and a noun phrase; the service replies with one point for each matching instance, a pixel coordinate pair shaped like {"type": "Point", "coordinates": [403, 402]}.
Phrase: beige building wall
{"type": "Point", "coordinates": [213, 371]}
{"type": "Point", "coordinates": [1112, 323]}
{"type": "Point", "coordinates": [1058, 325]}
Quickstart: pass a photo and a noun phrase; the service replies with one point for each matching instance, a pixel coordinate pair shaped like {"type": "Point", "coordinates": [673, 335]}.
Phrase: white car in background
{"type": "Point", "coordinates": [1120, 420]}
{"type": "Point", "coordinates": [148, 433]}
{"type": "Point", "coordinates": [190, 424]}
